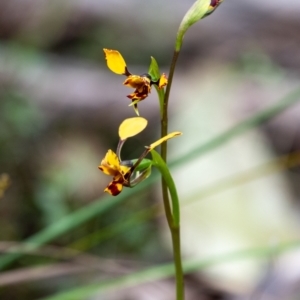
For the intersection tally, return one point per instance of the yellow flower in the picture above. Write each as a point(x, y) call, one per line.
point(111, 165)
point(141, 83)
point(122, 171)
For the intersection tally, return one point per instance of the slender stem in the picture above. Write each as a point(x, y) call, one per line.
point(174, 225)
point(178, 265)
point(167, 205)
point(164, 119)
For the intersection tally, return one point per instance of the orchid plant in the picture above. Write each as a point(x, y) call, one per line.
point(129, 173)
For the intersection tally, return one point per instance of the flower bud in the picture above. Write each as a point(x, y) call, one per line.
point(199, 10)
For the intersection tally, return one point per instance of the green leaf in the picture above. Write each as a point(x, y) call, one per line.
point(160, 164)
point(144, 164)
point(154, 70)
point(155, 75)
point(161, 96)
point(238, 129)
point(64, 225)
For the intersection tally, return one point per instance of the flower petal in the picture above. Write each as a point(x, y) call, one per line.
point(110, 165)
point(114, 188)
point(124, 170)
point(163, 81)
point(137, 96)
point(115, 61)
point(163, 139)
point(131, 127)
point(136, 81)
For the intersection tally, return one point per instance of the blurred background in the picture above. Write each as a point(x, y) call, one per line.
point(60, 109)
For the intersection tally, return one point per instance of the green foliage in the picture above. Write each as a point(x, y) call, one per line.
point(154, 70)
point(167, 177)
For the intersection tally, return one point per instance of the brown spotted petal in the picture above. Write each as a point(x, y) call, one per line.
point(136, 81)
point(139, 95)
point(141, 84)
point(115, 187)
point(122, 179)
point(110, 165)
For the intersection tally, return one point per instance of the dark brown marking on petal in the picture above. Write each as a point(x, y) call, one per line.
point(113, 189)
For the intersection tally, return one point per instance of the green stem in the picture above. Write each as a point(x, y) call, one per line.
point(174, 225)
point(166, 200)
point(178, 264)
point(164, 119)
point(164, 131)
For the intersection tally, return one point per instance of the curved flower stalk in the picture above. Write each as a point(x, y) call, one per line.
point(129, 173)
point(141, 83)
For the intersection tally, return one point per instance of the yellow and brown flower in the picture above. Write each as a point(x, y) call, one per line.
point(111, 165)
point(141, 83)
point(124, 172)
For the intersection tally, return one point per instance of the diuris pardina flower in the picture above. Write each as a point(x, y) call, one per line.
point(141, 83)
point(111, 165)
point(129, 173)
